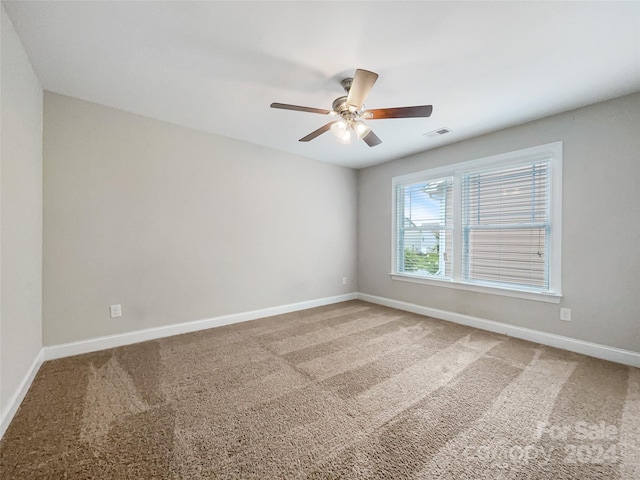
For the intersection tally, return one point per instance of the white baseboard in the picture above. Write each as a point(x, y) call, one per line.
point(16, 399)
point(604, 352)
point(101, 343)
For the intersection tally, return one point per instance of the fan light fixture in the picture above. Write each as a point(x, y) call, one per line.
point(342, 131)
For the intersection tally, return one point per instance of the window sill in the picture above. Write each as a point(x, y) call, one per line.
point(505, 292)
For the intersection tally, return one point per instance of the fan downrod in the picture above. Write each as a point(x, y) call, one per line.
point(346, 84)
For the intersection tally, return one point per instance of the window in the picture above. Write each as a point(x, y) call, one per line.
point(492, 224)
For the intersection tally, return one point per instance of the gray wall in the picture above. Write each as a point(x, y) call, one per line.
point(20, 215)
point(601, 226)
point(178, 225)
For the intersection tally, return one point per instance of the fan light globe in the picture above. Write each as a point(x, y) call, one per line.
point(362, 130)
point(345, 137)
point(339, 128)
point(341, 131)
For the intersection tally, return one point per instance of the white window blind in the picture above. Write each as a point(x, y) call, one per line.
point(506, 225)
point(425, 222)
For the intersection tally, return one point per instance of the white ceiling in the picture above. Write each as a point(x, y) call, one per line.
point(217, 66)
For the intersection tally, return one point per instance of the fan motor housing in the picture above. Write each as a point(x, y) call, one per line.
point(340, 105)
point(341, 108)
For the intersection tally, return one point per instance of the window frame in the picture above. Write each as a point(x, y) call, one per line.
point(551, 152)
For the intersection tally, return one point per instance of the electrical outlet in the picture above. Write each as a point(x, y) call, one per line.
point(115, 310)
point(344, 280)
point(565, 314)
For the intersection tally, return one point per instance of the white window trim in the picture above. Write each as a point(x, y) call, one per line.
point(550, 150)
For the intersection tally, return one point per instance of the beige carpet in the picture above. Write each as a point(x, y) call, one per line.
point(352, 390)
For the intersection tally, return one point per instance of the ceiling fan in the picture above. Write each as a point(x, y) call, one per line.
point(351, 112)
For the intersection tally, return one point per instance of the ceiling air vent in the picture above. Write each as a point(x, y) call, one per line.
point(437, 133)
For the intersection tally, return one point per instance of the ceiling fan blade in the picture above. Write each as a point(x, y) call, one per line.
point(399, 112)
point(362, 84)
point(372, 139)
point(317, 133)
point(286, 106)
